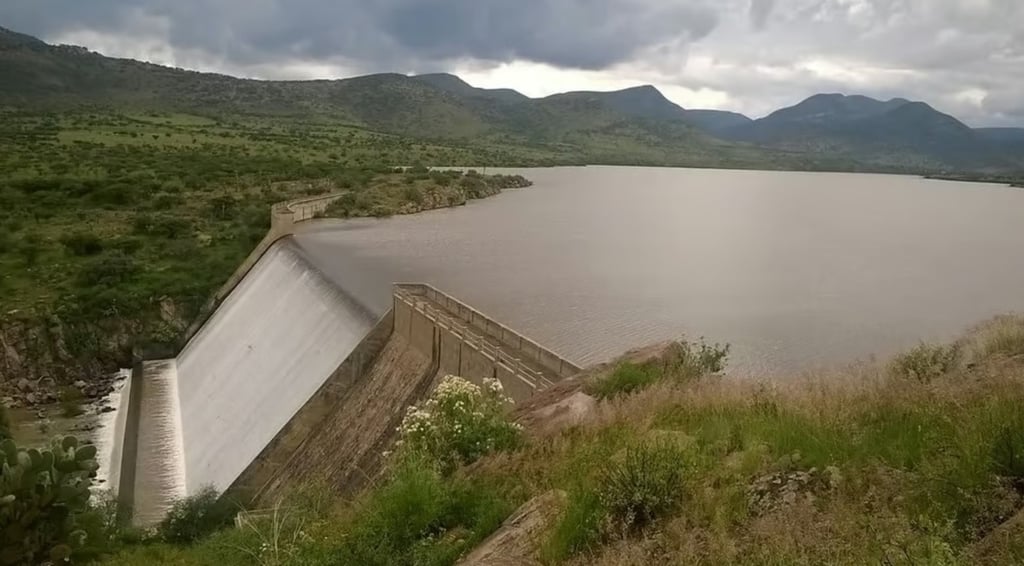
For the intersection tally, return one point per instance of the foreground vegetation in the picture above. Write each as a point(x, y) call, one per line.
point(115, 228)
point(920, 461)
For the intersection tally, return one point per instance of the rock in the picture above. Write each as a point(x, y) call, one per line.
point(25, 385)
point(47, 383)
point(81, 384)
point(30, 398)
point(41, 414)
point(568, 412)
point(517, 540)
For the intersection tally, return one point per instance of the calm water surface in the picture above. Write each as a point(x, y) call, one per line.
point(795, 270)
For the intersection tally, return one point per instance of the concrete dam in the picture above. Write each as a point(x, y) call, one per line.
point(291, 380)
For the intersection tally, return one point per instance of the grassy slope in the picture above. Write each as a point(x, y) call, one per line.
point(881, 467)
point(116, 227)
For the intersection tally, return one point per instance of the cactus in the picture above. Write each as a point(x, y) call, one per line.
point(41, 491)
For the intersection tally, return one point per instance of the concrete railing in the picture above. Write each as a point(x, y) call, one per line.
point(283, 218)
point(445, 321)
point(487, 326)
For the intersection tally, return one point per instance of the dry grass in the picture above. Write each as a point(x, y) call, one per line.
point(917, 461)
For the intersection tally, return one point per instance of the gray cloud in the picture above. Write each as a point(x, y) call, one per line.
point(965, 57)
point(759, 12)
point(587, 34)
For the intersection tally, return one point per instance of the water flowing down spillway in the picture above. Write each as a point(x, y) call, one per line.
point(266, 350)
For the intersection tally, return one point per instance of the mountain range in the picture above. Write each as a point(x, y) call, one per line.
point(636, 125)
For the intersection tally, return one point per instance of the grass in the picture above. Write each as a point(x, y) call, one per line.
point(115, 228)
point(858, 466)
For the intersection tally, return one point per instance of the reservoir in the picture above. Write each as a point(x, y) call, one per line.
point(795, 270)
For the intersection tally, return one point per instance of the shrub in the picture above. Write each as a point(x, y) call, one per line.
point(925, 362)
point(643, 486)
point(625, 379)
point(685, 360)
point(577, 530)
point(1005, 338)
point(1008, 451)
point(42, 493)
point(82, 243)
point(406, 520)
point(681, 361)
point(197, 516)
point(413, 195)
point(459, 423)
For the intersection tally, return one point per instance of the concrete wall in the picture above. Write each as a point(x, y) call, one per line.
point(283, 218)
point(485, 325)
point(461, 353)
point(279, 452)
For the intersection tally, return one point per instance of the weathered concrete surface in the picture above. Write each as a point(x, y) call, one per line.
point(326, 403)
point(497, 333)
point(436, 325)
point(517, 541)
point(345, 449)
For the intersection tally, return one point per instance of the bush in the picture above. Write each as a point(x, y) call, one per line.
point(459, 423)
point(925, 362)
point(1005, 338)
point(407, 519)
point(625, 379)
point(1008, 451)
point(82, 243)
point(111, 270)
point(644, 486)
point(197, 516)
point(42, 494)
point(682, 361)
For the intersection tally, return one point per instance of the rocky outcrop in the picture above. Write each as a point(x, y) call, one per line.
point(518, 539)
point(40, 353)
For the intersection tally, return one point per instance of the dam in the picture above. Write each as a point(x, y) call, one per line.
point(290, 380)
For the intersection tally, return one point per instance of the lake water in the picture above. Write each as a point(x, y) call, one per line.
point(795, 270)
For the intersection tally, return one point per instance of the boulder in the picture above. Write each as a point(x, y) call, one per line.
point(518, 539)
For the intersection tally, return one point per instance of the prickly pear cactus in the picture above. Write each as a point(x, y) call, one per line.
point(41, 491)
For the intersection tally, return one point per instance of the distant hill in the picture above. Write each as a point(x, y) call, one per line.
point(893, 133)
point(716, 122)
point(457, 86)
point(631, 126)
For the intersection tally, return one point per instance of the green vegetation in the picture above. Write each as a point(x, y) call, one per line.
point(681, 362)
point(864, 467)
point(43, 494)
point(116, 227)
point(418, 189)
point(196, 517)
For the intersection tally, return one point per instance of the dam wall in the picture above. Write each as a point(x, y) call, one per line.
point(265, 351)
point(470, 344)
point(291, 382)
point(328, 402)
point(283, 218)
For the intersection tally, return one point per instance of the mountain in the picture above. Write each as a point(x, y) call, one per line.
point(453, 84)
point(636, 125)
point(895, 133)
point(641, 102)
point(716, 122)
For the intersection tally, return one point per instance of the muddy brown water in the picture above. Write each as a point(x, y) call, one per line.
point(795, 270)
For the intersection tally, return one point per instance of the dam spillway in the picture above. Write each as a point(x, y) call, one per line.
point(262, 354)
point(291, 380)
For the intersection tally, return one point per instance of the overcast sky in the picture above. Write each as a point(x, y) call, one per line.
point(965, 57)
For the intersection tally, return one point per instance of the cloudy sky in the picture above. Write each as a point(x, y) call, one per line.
point(965, 57)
